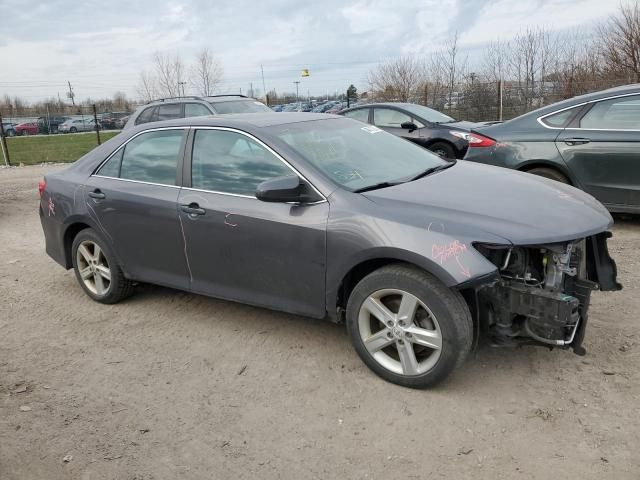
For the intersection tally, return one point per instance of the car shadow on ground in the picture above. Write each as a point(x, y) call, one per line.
point(331, 339)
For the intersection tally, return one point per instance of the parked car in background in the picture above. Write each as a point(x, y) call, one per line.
point(276, 108)
point(325, 217)
point(591, 142)
point(422, 125)
point(184, 107)
point(110, 120)
point(50, 124)
point(73, 125)
point(323, 107)
point(336, 108)
point(9, 129)
point(27, 128)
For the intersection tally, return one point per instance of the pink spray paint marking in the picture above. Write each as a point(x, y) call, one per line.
point(443, 253)
point(227, 222)
point(52, 208)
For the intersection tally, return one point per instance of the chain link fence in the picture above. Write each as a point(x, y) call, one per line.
point(61, 133)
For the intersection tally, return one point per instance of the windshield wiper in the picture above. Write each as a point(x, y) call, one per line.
point(431, 170)
point(376, 186)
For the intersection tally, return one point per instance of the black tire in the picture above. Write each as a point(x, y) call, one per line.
point(11, 133)
point(447, 305)
point(73, 129)
point(551, 173)
point(443, 150)
point(25, 133)
point(119, 287)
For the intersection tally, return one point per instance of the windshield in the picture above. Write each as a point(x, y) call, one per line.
point(240, 106)
point(354, 155)
point(428, 114)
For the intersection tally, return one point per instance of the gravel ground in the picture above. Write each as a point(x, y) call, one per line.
point(169, 385)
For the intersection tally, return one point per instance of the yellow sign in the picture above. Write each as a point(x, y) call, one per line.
point(305, 72)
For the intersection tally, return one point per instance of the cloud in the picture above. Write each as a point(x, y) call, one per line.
point(102, 47)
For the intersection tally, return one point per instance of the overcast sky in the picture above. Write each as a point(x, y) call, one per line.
point(102, 46)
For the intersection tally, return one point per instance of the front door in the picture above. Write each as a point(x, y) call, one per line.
point(391, 120)
point(603, 151)
point(240, 248)
point(133, 199)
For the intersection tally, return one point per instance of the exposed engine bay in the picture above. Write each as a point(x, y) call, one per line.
point(542, 292)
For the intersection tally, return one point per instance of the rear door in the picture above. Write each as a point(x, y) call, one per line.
point(132, 197)
point(602, 150)
point(243, 249)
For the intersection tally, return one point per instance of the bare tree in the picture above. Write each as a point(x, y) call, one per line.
point(452, 66)
point(169, 74)
point(397, 79)
point(619, 43)
point(147, 87)
point(495, 66)
point(207, 73)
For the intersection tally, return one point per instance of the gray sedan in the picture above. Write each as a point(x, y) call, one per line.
point(325, 217)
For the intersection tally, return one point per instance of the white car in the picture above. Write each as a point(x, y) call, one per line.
point(74, 125)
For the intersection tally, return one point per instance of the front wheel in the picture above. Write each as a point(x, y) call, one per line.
point(408, 327)
point(96, 269)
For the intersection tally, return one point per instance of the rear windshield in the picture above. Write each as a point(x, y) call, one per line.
point(240, 106)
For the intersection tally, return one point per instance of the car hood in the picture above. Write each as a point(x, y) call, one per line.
point(518, 207)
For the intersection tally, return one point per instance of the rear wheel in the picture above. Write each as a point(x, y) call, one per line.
point(408, 327)
point(73, 129)
point(551, 173)
point(443, 150)
point(96, 269)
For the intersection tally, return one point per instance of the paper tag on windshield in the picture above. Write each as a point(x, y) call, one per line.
point(371, 129)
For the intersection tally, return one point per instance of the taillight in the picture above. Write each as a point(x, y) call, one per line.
point(42, 184)
point(477, 140)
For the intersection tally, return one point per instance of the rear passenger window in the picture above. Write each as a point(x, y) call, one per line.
point(195, 110)
point(560, 119)
point(112, 167)
point(229, 162)
point(170, 111)
point(147, 115)
point(615, 114)
point(151, 157)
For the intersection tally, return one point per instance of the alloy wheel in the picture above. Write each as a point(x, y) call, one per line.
point(93, 267)
point(400, 332)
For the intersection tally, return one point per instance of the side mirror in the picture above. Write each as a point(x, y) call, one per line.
point(409, 126)
point(290, 188)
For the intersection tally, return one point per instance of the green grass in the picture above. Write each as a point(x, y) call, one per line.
point(52, 148)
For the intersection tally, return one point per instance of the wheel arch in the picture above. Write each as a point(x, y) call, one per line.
point(373, 260)
point(531, 164)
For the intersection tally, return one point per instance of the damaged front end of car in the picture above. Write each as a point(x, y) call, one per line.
point(541, 293)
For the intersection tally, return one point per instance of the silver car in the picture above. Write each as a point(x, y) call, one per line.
point(74, 125)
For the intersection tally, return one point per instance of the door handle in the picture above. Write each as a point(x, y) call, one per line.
point(193, 209)
point(576, 141)
point(97, 194)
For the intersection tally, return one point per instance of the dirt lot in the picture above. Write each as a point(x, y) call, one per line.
point(170, 385)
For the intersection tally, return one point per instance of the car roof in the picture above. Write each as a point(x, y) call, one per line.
point(239, 120)
point(587, 97)
point(208, 99)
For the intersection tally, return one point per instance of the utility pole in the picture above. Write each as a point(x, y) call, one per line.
point(251, 89)
point(71, 95)
point(297, 82)
point(264, 88)
point(181, 84)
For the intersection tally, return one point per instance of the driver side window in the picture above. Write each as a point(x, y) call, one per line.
point(386, 117)
point(229, 162)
